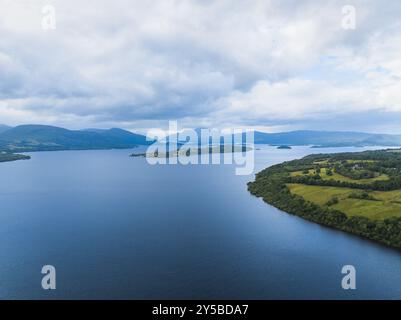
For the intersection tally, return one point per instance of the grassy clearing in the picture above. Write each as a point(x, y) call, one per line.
point(388, 206)
point(361, 161)
point(321, 162)
point(339, 177)
point(319, 194)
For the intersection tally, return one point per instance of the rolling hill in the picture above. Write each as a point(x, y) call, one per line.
point(327, 138)
point(321, 138)
point(4, 128)
point(49, 138)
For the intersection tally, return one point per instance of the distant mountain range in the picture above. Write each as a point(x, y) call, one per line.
point(322, 138)
point(327, 138)
point(48, 138)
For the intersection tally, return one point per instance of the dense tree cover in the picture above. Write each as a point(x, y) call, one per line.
point(270, 184)
point(353, 171)
point(333, 200)
point(362, 195)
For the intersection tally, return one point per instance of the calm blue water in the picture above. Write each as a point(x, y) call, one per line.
point(116, 227)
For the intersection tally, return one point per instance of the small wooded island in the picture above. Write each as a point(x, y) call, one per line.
point(284, 147)
point(358, 192)
point(5, 156)
point(183, 151)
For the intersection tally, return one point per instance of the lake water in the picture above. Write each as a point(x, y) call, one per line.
point(117, 227)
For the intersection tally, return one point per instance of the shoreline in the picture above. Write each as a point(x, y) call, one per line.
point(332, 227)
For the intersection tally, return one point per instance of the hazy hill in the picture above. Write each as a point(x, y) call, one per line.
point(327, 138)
point(322, 138)
point(40, 138)
point(4, 128)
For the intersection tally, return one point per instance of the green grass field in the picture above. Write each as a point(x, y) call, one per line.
point(320, 162)
point(388, 206)
point(340, 177)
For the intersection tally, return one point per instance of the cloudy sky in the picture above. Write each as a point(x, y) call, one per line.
point(272, 65)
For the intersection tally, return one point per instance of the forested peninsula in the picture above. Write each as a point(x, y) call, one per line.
point(359, 193)
point(4, 157)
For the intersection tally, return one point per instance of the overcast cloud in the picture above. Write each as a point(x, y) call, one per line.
point(275, 65)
